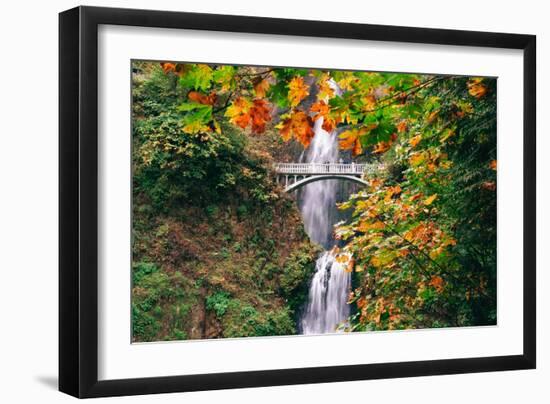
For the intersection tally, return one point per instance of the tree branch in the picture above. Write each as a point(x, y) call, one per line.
point(225, 105)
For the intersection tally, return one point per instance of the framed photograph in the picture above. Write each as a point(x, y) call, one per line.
point(251, 201)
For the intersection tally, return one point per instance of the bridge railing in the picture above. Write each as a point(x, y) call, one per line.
point(322, 168)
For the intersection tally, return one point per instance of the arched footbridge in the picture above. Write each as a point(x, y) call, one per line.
point(296, 175)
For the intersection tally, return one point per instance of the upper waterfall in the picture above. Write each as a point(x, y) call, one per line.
point(327, 306)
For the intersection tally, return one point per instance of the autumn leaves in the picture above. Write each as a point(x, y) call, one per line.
point(372, 108)
point(249, 98)
point(245, 113)
point(297, 124)
point(297, 91)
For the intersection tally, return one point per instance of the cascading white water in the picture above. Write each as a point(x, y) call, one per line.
point(319, 198)
point(327, 307)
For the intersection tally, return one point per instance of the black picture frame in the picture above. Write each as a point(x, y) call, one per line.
point(78, 201)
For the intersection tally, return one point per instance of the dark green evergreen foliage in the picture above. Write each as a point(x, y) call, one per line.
point(469, 200)
point(437, 206)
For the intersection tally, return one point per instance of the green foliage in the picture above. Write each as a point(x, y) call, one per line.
point(244, 320)
point(198, 77)
point(170, 165)
point(423, 237)
point(153, 286)
point(142, 269)
point(144, 326)
point(218, 302)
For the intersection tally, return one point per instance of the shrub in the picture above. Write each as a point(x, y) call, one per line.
point(218, 303)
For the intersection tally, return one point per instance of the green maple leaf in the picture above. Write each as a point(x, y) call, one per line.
point(198, 78)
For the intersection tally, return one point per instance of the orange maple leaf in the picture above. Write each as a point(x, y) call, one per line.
point(476, 88)
point(437, 282)
point(402, 126)
point(260, 114)
point(361, 302)
point(242, 120)
point(350, 140)
point(381, 147)
point(415, 140)
point(243, 112)
point(260, 87)
point(323, 111)
point(238, 112)
point(168, 67)
point(202, 98)
point(297, 125)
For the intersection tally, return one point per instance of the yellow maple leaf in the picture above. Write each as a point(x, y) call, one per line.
point(417, 159)
point(365, 226)
point(237, 110)
point(430, 200)
point(342, 258)
point(375, 261)
point(195, 127)
point(369, 103)
point(297, 90)
point(345, 83)
point(325, 90)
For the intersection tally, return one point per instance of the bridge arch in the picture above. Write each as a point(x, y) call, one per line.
point(307, 180)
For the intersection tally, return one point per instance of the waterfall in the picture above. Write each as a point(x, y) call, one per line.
point(327, 306)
